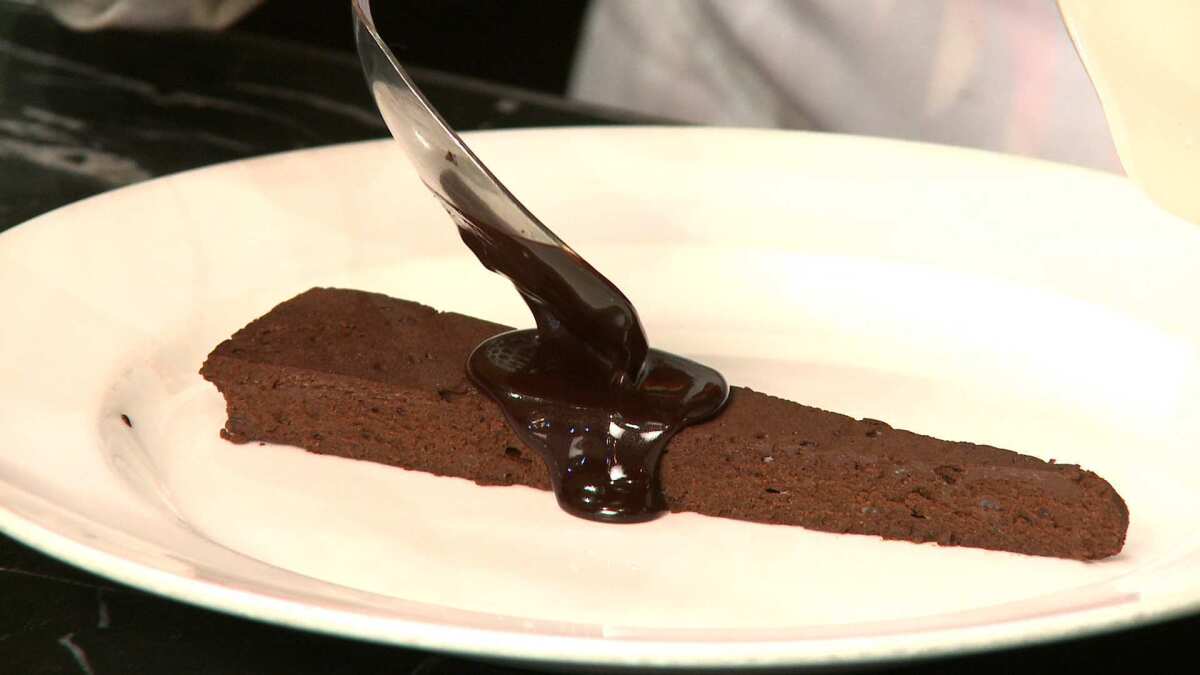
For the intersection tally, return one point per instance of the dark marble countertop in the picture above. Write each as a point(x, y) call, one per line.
point(81, 113)
point(85, 113)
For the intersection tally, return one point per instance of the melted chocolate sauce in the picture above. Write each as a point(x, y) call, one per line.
point(583, 389)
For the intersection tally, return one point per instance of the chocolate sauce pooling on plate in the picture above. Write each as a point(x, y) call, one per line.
point(584, 389)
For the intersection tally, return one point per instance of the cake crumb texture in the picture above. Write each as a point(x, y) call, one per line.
point(365, 376)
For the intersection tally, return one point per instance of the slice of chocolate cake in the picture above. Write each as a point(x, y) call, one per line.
point(365, 376)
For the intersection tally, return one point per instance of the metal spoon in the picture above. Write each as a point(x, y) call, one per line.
point(565, 293)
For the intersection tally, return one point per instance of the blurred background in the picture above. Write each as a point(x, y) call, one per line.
point(995, 74)
point(525, 43)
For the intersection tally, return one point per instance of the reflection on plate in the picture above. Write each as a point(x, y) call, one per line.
point(956, 293)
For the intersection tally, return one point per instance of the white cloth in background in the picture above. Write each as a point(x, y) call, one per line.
point(994, 74)
point(96, 14)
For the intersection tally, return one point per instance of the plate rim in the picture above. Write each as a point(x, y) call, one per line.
point(537, 647)
point(531, 647)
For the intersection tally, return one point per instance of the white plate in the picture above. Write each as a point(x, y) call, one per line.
point(962, 294)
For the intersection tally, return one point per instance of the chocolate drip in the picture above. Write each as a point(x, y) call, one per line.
point(583, 388)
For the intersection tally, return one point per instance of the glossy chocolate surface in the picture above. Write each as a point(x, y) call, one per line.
point(584, 388)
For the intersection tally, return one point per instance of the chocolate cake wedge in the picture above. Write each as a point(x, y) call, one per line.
point(366, 376)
